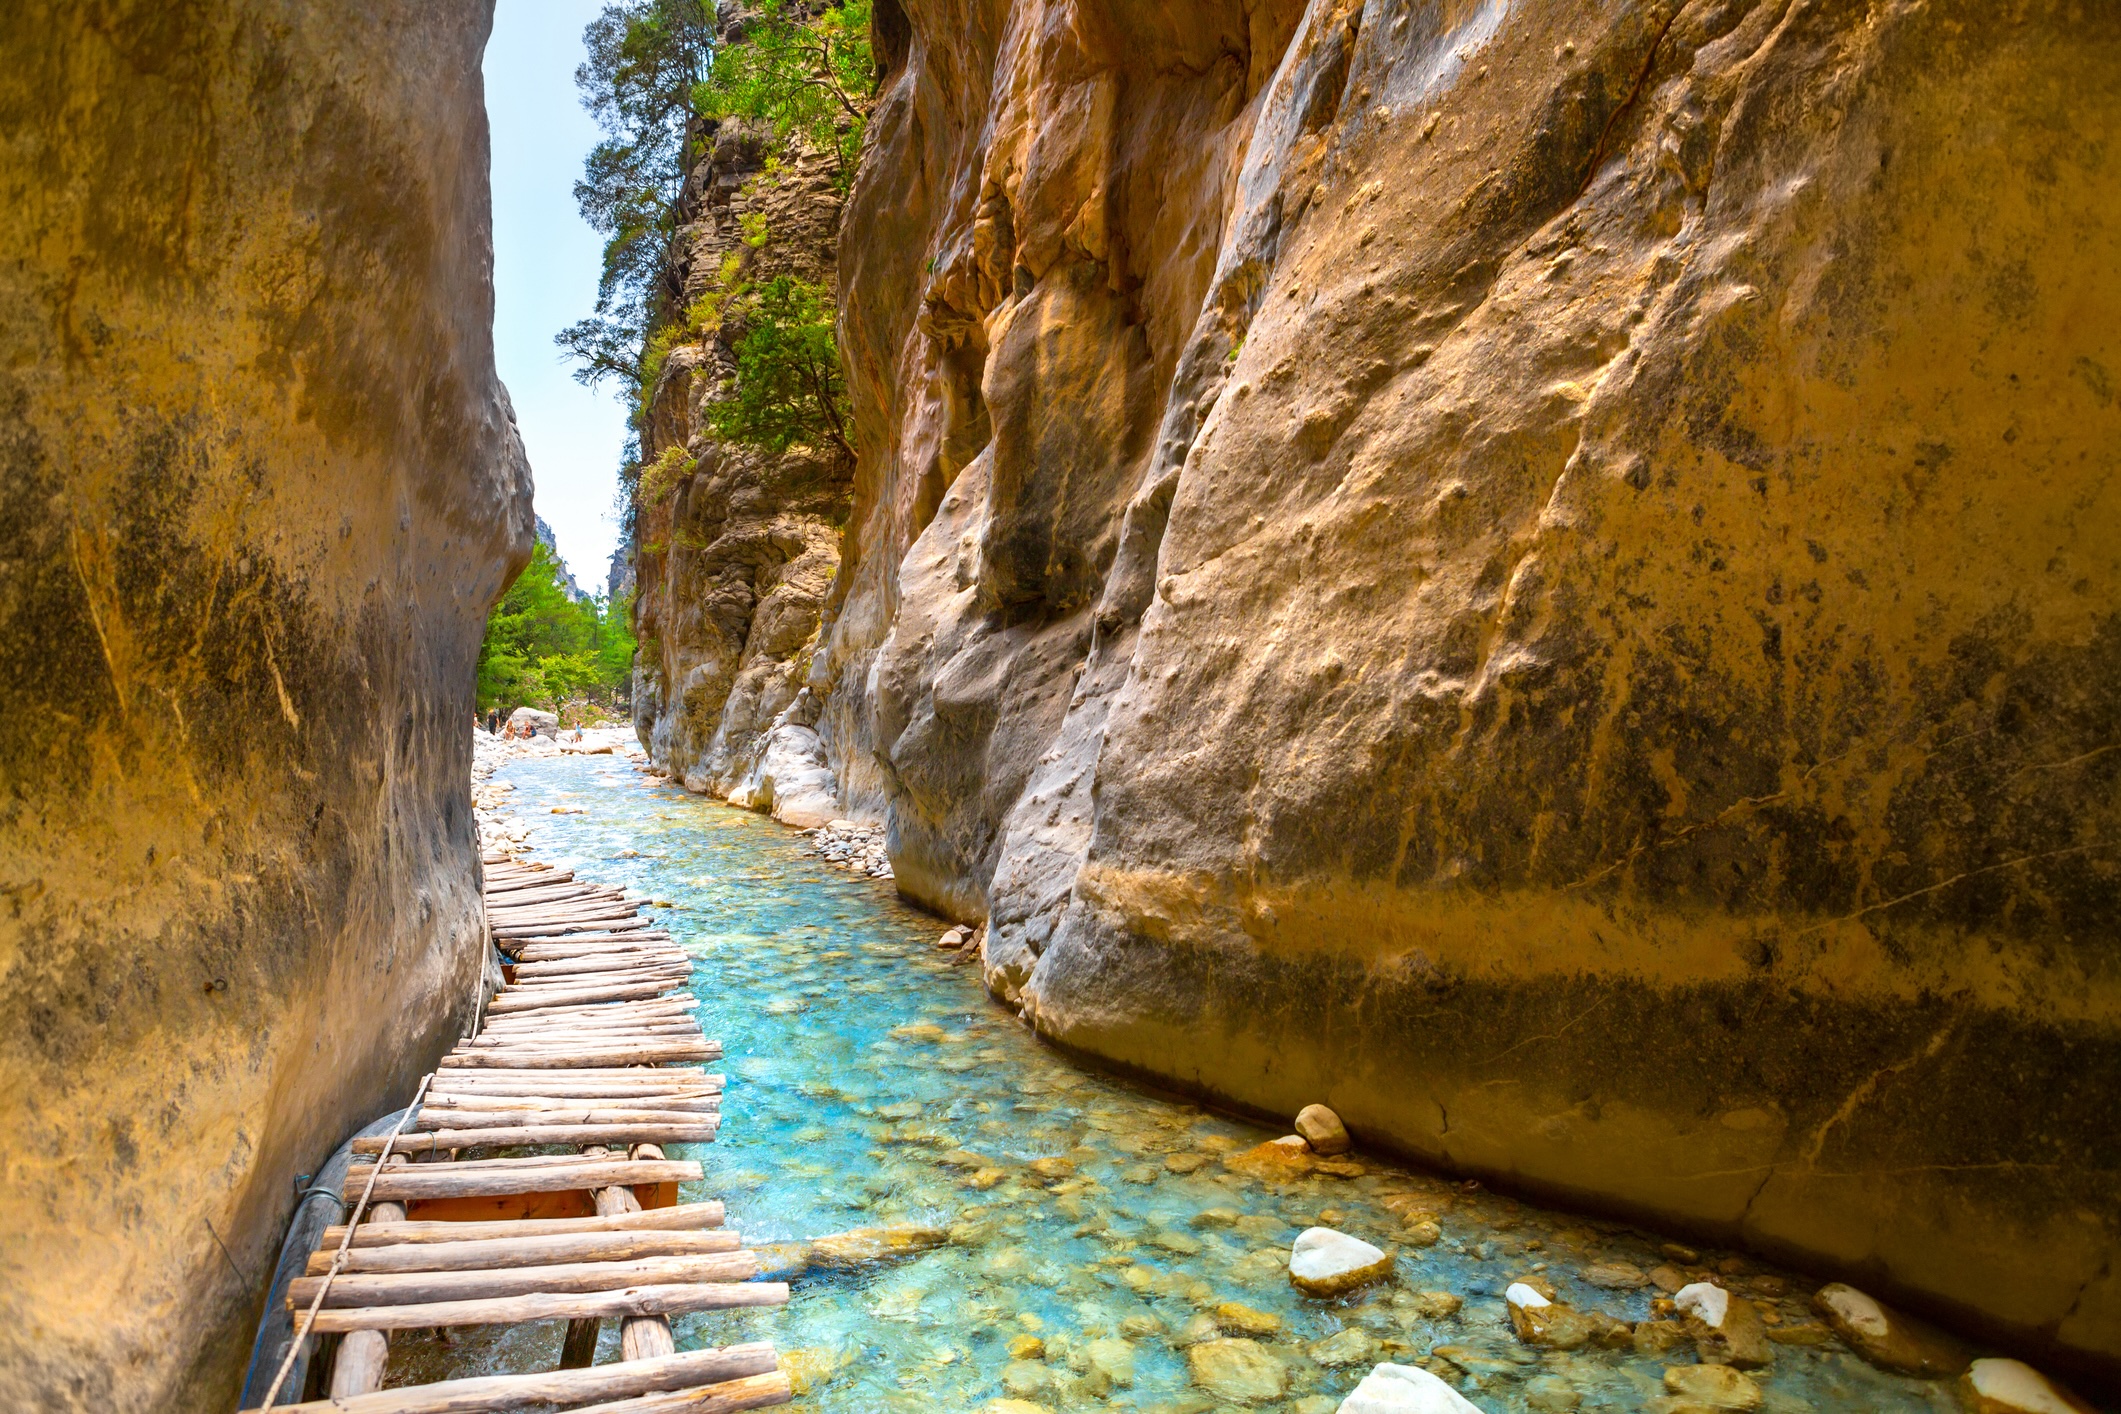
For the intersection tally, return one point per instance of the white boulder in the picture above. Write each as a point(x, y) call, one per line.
point(1326, 1263)
point(1405, 1389)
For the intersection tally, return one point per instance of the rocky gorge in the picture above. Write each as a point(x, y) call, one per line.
point(1541, 573)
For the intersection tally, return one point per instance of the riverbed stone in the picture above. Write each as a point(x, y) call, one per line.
point(1994, 1386)
point(1351, 1345)
point(1727, 1328)
point(1615, 1276)
point(1423, 1232)
point(1322, 1130)
point(1405, 1389)
point(1026, 1347)
point(1712, 1387)
point(1024, 1378)
point(1887, 1338)
point(1539, 1321)
point(1111, 1359)
point(1236, 1316)
point(1437, 1305)
point(1550, 1394)
point(1324, 1262)
point(1238, 1369)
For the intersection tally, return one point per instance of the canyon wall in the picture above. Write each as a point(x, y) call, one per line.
point(1543, 573)
point(737, 545)
point(258, 485)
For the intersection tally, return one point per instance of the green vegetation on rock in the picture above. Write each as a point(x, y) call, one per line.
point(808, 77)
point(789, 387)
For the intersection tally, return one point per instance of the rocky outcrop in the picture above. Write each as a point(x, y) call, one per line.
point(737, 546)
point(258, 486)
point(1542, 574)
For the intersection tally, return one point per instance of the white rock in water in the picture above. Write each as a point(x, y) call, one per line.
point(2012, 1387)
point(1704, 1300)
point(1521, 1295)
point(1326, 1263)
point(1404, 1389)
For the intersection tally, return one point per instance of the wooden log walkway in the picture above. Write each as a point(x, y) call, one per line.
point(592, 1044)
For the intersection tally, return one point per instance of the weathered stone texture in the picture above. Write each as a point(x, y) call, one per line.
point(737, 556)
point(258, 486)
point(1545, 575)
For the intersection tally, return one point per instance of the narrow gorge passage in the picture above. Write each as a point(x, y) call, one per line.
point(1005, 1225)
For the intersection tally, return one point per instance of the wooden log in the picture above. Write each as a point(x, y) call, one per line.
point(571, 1033)
point(686, 1217)
point(560, 931)
point(641, 1074)
point(569, 892)
point(702, 1130)
point(526, 879)
point(580, 944)
point(492, 1394)
point(559, 1086)
point(678, 1007)
point(565, 1056)
point(500, 1179)
point(515, 919)
point(582, 970)
point(410, 1288)
point(752, 1392)
point(567, 949)
point(571, 1055)
point(575, 981)
point(494, 1253)
point(455, 1109)
point(363, 1357)
point(555, 1306)
point(518, 1119)
point(596, 1031)
point(514, 1002)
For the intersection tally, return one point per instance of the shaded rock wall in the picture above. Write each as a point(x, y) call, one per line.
point(738, 548)
point(1544, 574)
point(258, 486)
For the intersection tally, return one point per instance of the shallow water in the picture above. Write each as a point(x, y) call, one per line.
point(872, 1082)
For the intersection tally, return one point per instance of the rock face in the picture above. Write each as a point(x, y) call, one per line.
point(737, 547)
point(1386, 526)
point(258, 486)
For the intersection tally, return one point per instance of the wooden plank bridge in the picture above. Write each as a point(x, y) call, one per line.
point(591, 1044)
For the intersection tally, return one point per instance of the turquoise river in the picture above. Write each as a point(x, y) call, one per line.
point(1098, 1248)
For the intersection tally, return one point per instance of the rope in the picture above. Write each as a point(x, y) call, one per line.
point(301, 1336)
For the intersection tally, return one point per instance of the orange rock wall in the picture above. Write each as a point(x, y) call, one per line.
point(258, 487)
point(1544, 574)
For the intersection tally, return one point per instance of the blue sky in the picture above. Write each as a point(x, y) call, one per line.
point(545, 273)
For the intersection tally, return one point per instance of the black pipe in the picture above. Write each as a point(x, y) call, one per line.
point(317, 1208)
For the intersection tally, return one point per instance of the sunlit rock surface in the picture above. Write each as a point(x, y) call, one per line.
point(258, 485)
point(737, 546)
point(1543, 575)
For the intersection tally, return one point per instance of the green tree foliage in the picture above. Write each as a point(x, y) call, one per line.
point(789, 388)
point(806, 75)
point(543, 649)
point(645, 60)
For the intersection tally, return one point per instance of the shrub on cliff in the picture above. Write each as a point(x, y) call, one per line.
point(808, 76)
point(789, 388)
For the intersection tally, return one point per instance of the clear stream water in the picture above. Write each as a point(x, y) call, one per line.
point(872, 1083)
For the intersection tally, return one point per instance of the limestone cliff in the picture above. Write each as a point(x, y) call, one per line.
point(737, 546)
point(1544, 574)
point(258, 486)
